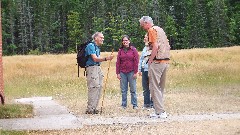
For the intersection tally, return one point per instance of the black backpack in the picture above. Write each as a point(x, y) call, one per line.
point(81, 58)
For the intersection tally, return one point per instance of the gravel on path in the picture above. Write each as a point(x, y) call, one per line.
point(49, 115)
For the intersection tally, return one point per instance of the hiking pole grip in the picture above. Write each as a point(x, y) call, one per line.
point(109, 64)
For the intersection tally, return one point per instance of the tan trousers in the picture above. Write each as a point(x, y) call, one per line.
point(157, 78)
point(94, 83)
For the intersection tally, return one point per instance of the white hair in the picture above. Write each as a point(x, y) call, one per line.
point(146, 19)
point(95, 35)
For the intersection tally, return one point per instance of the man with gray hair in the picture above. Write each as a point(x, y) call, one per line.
point(158, 64)
point(94, 72)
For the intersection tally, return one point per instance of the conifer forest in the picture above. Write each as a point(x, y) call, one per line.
point(57, 26)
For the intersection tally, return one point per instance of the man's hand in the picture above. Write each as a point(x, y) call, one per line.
point(135, 76)
point(118, 76)
point(140, 73)
point(150, 62)
point(110, 57)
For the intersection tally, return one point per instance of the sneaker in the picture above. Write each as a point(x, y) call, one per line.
point(135, 107)
point(124, 107)
point(146, 108)
point(162, 115)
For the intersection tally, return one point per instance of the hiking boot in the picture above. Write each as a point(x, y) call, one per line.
point(95, 111)
point(162, 115)
point(92, 112)
point(89, 112)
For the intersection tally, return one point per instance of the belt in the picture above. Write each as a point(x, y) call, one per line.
point(161, 61)
point(93, 65)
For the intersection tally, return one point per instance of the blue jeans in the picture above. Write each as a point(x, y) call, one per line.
point(125, 79)
point(146, 92)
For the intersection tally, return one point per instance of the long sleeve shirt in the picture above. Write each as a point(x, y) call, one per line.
point(127, 60)
point(143, 61)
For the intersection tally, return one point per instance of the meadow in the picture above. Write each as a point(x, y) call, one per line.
point(199, 81)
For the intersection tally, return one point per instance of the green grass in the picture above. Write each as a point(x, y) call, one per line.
point(8, 111)
point(5, 132)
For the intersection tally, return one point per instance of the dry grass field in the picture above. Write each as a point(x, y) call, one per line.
point(199, 81)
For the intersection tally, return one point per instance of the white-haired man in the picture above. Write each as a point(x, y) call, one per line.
point(94, 72)
point(158, 64)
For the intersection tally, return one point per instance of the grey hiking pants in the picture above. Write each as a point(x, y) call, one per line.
point(94, 84)
point(157, 78)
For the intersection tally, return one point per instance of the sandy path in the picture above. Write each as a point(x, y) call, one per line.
point(49, 115)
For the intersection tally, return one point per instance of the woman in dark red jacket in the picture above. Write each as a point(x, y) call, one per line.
point(126, 70)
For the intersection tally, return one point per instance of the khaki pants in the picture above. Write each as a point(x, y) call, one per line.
point(94, 83)
point(157, 77)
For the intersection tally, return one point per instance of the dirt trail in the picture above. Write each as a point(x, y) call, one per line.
point(49, 115)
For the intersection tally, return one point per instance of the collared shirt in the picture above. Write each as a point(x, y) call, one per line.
point(127, 61)
point(92, 48)
point(152, 35)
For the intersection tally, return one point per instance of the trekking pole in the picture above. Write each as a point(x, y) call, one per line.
point(106, 83)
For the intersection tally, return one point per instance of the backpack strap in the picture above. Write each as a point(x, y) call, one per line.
point(85, 69)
